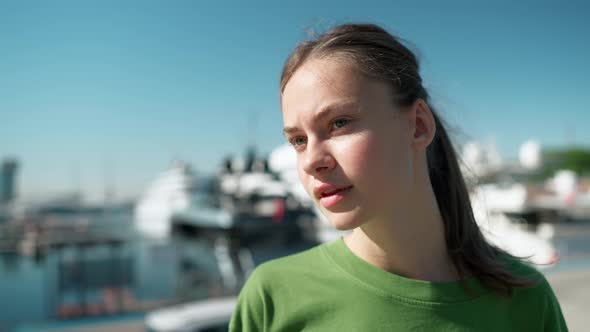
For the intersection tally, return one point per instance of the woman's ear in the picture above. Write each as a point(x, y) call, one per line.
point(423, 124)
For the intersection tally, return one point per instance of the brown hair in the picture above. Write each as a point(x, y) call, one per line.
point(378, 54)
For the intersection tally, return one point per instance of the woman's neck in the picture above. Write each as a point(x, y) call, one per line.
point(410, 243)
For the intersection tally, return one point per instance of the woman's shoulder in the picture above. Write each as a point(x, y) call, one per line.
point(539, 287)
point(280, 275)
point(309, 259)
point(539, 295)
point(519, 267)
point(273, 284)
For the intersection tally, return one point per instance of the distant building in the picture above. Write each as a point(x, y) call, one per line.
point(8, 172)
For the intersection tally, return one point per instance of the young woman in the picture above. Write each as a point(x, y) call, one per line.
point(376, 159)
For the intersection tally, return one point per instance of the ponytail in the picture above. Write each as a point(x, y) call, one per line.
point(467, 247)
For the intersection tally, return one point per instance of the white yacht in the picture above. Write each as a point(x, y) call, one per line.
point(246, 200)
point(535, 246)
point(169, 193)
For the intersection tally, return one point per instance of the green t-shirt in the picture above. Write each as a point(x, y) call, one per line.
point(328, 288)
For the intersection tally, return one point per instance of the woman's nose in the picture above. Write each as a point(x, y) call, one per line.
point(317, 159)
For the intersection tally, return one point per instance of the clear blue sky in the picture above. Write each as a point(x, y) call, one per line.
point(95, 90)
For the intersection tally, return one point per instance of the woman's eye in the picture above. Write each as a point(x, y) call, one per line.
point(297, 141)
point(339, 123)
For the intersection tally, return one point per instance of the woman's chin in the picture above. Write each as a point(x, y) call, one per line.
point(343, 221)
point(342, 224)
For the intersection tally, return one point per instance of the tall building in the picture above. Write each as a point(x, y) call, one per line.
point(8, 171)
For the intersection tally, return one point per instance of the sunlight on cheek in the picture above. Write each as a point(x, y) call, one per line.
point(303, 177)
point(362, 153)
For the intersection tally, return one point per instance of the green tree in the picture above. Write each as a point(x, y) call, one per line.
point(576, 159)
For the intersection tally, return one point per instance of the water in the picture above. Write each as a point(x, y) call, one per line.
point(35, 290)
point(136, 276)
point(572, 241)
point(22, 285)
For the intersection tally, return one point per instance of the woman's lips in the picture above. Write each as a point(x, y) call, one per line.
point(328, 200)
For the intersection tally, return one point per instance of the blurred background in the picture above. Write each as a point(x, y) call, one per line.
point(143, 173)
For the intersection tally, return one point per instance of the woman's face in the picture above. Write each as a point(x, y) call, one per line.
point(354, 147)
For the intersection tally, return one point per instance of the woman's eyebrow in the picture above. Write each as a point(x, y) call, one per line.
point(289, 130)
point(326, 111)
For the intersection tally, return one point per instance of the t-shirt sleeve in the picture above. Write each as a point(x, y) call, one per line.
point(554, 320)
point(249, 314)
